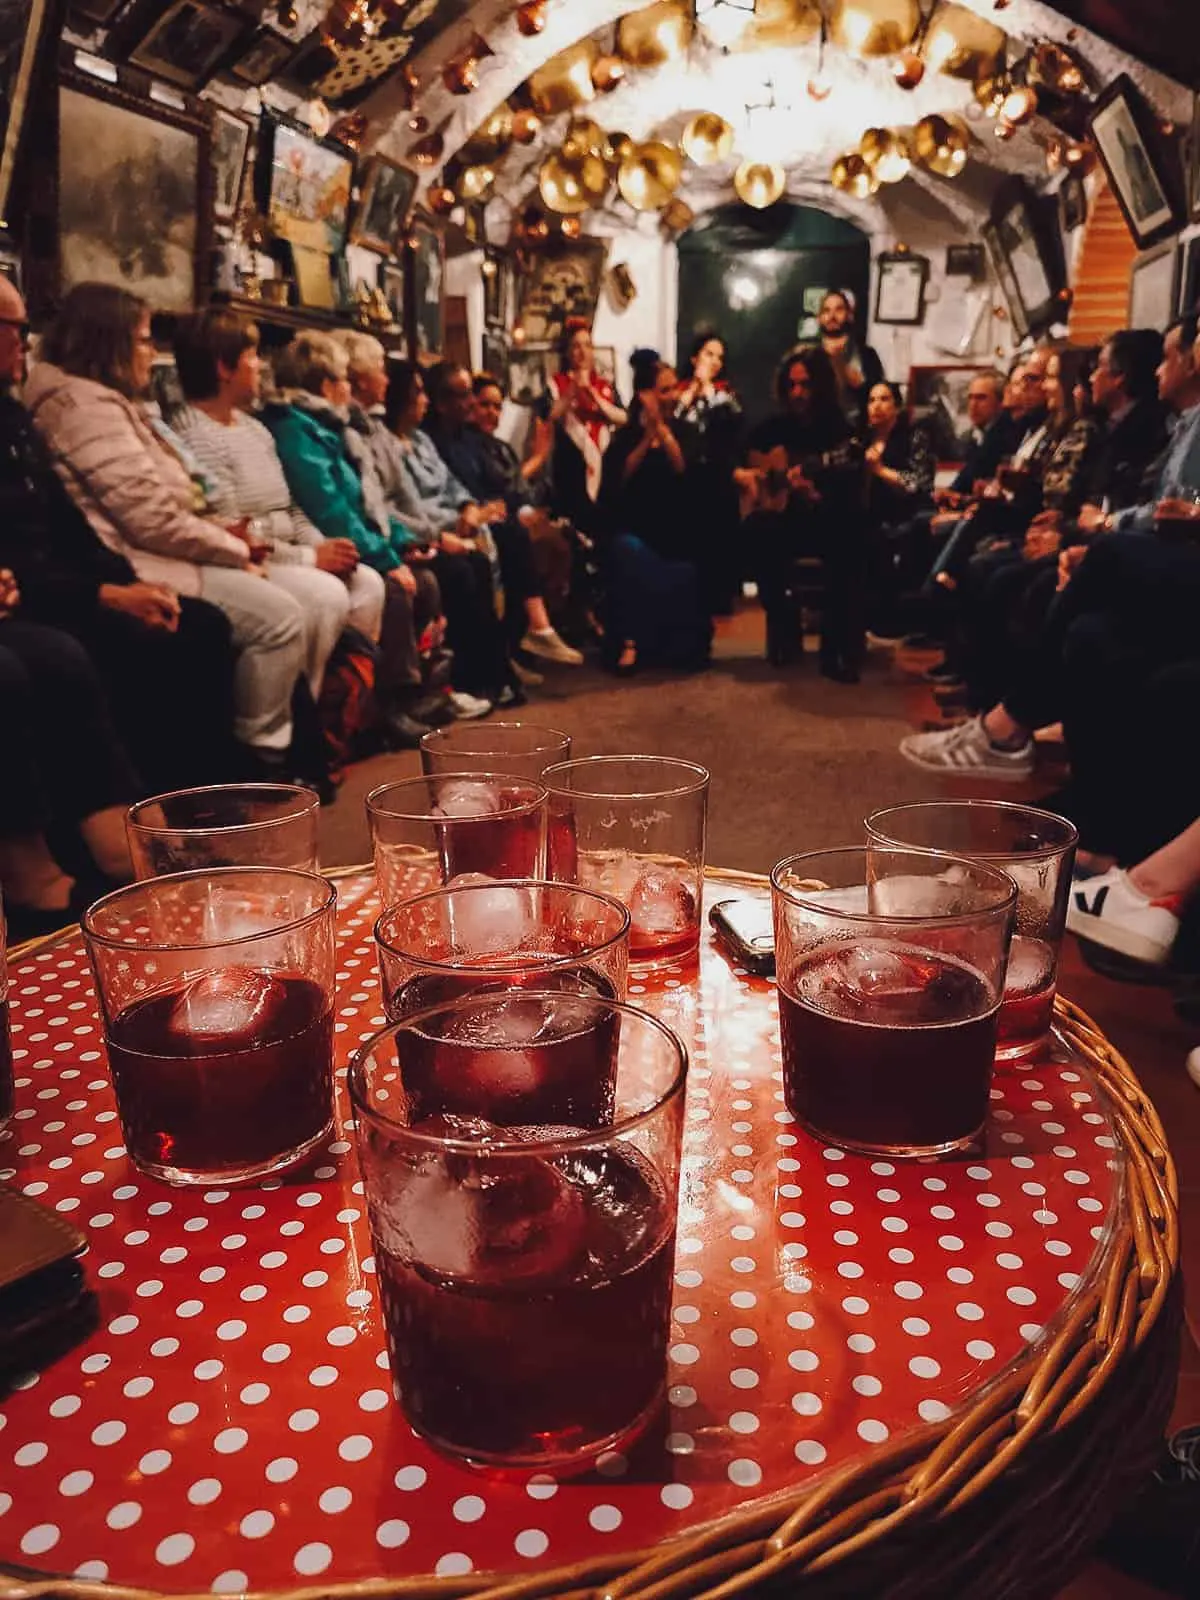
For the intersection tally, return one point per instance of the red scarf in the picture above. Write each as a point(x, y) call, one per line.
point(586, 426)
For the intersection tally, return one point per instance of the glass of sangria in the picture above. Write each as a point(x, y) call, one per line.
point(524, 1269)
point(634, 827)
point(428, 831)
point(552, 937)
point(890, 967)
point(1037, 850)
point(6, 1060)
point(224, 825)
point(518, 748)
point(216, 991)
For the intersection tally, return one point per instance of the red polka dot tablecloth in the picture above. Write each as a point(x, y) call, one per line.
point(230, 1424)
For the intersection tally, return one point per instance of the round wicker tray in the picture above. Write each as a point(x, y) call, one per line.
point(1004, 1497)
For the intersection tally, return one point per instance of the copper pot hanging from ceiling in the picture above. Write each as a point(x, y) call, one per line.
point(565, 81)
point(707, 139)
point(874, 27)
point(650, 175)
point(531, 18)
point(608, 74)
point(759, 184)
point(570, 186)
point(656, 34)
point(492, 138)
point(962, 44)
point(851, 175)
point(526, 125)
point(941, 144)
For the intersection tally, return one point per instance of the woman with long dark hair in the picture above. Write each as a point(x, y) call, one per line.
point(655, 615)
point(900, 470)
point(708, 421)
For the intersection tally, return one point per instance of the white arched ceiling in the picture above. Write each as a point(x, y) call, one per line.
point(805, 138)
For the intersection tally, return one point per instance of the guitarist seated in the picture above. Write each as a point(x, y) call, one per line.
point(802, 493)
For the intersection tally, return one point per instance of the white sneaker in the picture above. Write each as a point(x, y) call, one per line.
point(546, 643)
point(966, 751)
point(1108, 910)
point(469, 706)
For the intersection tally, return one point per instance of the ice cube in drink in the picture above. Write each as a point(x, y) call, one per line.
point(887, 1049)
point(541, 1061)
point(224, 1077)
point(1027, 1009)
point(487, 828)
point(664, 921)
point(526, 1302)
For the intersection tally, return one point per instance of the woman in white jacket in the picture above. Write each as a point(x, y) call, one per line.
point(138, 495)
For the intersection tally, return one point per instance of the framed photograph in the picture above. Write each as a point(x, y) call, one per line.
point(1128, 143)
point(391, 282)
point(305, 186)
point(1072, 202)
point(1154, 288)
point(1189, 276)
point(1028, 253)
point(230, 147)
point(426, 265)
point(966, 261)
point(559, 284)
point(1008, 284)
point(316, 283)
point(184, 42)
point(387, 191)
point(264, 57)
point(22, 25)
point(132, 193)
point(95, 12)
point(937, 398)
point(1192, 160)
point(900, 290)
point(529, 370)
point(495, 354)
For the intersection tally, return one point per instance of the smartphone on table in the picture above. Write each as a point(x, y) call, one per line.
point(744, 930)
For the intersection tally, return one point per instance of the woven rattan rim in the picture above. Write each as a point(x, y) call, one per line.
point(916, 1485)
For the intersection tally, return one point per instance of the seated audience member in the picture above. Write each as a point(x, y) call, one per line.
point(136, 491)
point(64, 766)
point(582, 409)
point(656, 612)
point(802, 487)
point(900, 471)
point(166, 663)
point(216, 356)
point(708, 424)
point(1132, 421)
point(331, 476)
point(856, 368)
point(513, 481)
point(989, 438)
point(1117, 636)
point(468, 455)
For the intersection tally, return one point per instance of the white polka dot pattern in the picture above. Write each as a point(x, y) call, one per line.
point(231, 1424)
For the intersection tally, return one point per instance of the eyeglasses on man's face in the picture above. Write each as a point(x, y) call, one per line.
point(19, 326)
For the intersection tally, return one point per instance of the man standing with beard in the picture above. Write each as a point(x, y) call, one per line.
point(856, 367)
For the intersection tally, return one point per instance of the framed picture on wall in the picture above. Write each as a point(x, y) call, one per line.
point(966, 261)
point(529, 369)
point(147, 236)
point(1153, 288)
point(900, 289)
point(383, 206)
point(1028, 252)
point(426, 266)
point(560, 284)
point(22, 37)
point(230, 147)
point(1189, 276)
point(184, 42)
point(263, 58)
point(391, 282)
point(305, 185)
point(1127, 140)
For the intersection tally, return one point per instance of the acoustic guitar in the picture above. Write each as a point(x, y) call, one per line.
point(772, 491)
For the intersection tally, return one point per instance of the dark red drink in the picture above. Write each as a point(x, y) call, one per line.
point(527, 1313)
point(229, 1073)
point(1027, 1009)
point(562, 848)
point(488, 829)
point(887, 1049)
point(6, 1064)
point(541, 1062)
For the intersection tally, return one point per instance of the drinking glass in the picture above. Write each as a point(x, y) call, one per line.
point(216, 993)
point(224, 825)
point(1037, 850)
point(524, 1271)
point(546, 936)
point(427, 831)
point(890, 969)
point(6, 1060)
point(518, 748)
point(634, 827)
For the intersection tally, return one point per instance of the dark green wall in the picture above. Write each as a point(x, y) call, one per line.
point(744, 274)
